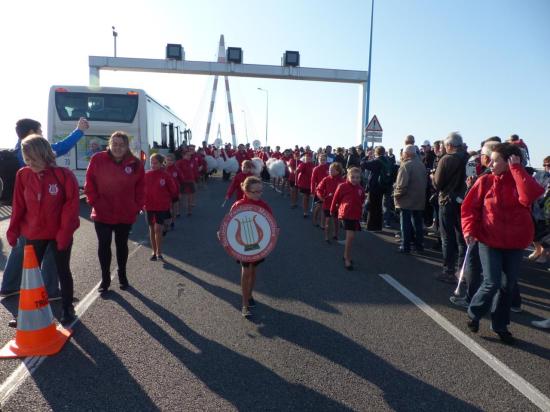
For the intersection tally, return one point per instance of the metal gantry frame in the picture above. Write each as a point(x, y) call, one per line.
point(98, 63)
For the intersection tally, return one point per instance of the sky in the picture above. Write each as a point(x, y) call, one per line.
point(478, 67)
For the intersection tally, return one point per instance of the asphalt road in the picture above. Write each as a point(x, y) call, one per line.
point(321, 338)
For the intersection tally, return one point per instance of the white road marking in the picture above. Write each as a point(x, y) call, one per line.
point(524, 387)
point(31, 364)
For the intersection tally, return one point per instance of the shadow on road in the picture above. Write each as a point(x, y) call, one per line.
point(401, 390)
point(244, 382)
point(95, 379)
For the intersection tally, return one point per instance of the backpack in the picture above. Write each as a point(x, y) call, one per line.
point(385, 178)
point(9, 165)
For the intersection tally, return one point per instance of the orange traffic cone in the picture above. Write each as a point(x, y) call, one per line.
point(37, 333)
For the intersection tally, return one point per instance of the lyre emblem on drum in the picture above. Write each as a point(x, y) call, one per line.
point(249, 233)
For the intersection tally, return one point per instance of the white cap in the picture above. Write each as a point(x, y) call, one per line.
point(426, 143)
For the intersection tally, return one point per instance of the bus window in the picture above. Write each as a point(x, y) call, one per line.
point(163, 135)
point(171, 137)
point(96, 106)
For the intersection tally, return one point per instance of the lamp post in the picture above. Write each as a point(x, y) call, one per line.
point(368, 77)
point(245, 126)
point(266, 111)
point(115, 34)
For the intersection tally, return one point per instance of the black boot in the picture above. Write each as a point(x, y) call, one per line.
point(68, 315)
point(123, 280)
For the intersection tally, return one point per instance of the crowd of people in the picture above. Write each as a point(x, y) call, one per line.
point(487, 201)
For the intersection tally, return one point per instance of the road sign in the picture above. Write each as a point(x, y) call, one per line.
point(374, 125)
point(248, 233)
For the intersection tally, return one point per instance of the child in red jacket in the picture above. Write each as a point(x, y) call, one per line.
point(175, 173)
point(325, 193)
point(160, 189)
point(235, 186)
point(348, 202)
point(45, 211)
point(293, 164)
point(189, 173)
point(252, 188)
point(318, 174)
point(303, 180)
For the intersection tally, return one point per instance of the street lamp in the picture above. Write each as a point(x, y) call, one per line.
point(266, 110)
point(245, 126)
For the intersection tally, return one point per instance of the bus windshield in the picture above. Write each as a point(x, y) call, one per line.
point(96, 106)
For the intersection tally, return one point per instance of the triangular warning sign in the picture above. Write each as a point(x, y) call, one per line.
point(374, 125)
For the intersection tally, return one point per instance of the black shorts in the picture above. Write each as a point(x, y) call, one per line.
point(351, 225)
point(157, 217)
point(291, 183)
point(327, 213)
point(187, 188)
point(247, 264)
point(305, 191)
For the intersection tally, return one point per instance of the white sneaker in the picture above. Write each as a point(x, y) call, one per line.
point(541, 259)
point(245, 312)
point(544, 324)
point(516, 309)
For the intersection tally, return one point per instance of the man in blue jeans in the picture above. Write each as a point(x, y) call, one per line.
point(410, 197)
point(11, 281)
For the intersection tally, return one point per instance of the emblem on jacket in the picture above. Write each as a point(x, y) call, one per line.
point(53, 189)
point(128, 170)
point(162, 182)
point(175, 174)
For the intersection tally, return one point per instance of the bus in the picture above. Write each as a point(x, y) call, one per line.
point(150, 126)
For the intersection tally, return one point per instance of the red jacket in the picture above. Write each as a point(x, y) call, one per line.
point(292, 164)
point(497, 209)
point(276, 155)
point(318, 174)
point(115, 190)
point(241, 157)
point(304, 171)
point(264, 156)
point(175, 172)
point(327, 188)
point(160, 189)
point(235, 185)
point(348, 201)
point(46, 206)
point(246, 201)
point(188, 170)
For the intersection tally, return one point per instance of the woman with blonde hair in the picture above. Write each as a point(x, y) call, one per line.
point(46, 211)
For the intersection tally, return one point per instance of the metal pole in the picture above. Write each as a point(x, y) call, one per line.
point(266, 114)
point(245, 126)
point(368, 73)
point(115, 34)
point(266, 111)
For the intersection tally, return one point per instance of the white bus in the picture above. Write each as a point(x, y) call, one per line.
point(151, 126)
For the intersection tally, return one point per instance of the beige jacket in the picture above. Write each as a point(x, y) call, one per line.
point(410, 186)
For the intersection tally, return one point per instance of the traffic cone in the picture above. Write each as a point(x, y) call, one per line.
point(37, 333)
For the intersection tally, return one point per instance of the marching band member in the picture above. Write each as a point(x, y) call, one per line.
point(319, 173)
point(252, 188)
point(325, 193)
point(348, 202)
point(45, 211)
point(176, 175)
point(303, 180)
point(235, 186)
point(189, 173)
point(160, 189)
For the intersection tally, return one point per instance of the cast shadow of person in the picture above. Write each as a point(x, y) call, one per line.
point(86, 375)
point(401, 391)
point(242, 381)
